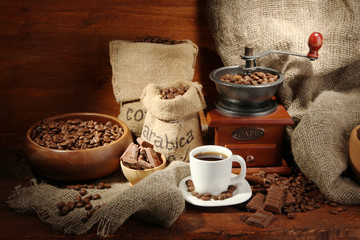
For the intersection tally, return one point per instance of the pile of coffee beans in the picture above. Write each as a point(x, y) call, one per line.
point(254, 78)
point(207, 196)
point(157, 39)
point(75, 134)
point(172, 92)
point(306, 193)
point(82, 201)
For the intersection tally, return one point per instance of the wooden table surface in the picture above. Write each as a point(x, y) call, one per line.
point(194, 223)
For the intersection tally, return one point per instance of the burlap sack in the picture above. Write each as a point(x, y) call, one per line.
point(323, 96)
point(133, 114)
point(173, 125)
point(136, 64)
point(156, 200)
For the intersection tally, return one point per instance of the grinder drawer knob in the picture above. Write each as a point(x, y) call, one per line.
point(315, 42)
point(250, 159)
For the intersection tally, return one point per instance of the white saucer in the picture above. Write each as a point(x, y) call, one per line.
point(242, 193)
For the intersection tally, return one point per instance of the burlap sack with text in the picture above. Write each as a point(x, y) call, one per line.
point(136, 64)
point(156, 200)
point(173, 125)
point(322, 97)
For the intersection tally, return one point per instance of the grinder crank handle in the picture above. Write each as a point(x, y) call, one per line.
point(315, 42)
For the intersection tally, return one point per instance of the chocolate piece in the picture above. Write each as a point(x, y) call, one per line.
point(143, 164)
point(128, 151)
point(274, 199)
point(260, 219)
point(289, 199)
point(135, 151)
point(152, 157)
point(256, 203)
point(144, 143)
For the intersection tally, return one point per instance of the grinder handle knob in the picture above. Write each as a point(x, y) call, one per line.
point(315, 42)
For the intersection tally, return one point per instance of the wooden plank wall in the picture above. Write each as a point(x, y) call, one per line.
point(54, 55)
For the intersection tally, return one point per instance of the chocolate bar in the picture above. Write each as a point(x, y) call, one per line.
point(256, 203)
point(144, 143)
point(152, 157)
point(289, 199)
point(260, 219)
point(274, 199)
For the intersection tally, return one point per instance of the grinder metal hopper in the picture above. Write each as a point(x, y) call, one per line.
point(254, 100)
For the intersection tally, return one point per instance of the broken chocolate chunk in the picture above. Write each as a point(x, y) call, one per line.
point(260, 219)
point(274, 199)
point(256, 203)
point(144, 143)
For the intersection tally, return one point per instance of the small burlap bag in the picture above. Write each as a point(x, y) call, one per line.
point(136, 64)
point(322, 97)
point(173, 125)
point(156, 200)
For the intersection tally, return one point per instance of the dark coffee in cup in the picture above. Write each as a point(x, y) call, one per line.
point(210, 156)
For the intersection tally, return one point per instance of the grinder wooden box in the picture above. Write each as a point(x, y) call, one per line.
point(259, 140)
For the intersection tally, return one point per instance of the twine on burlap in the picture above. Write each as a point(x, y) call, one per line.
point(156, 200)
point(322, 97)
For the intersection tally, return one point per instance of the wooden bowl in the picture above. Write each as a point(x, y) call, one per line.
point(354, 153)
point(134, 176)
point(77, 165)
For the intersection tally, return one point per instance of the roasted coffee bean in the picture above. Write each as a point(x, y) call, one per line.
point(341, 209)
point(86, 200)
point(107, 185)
point(334, 204)
point(91, 186)
point(83, 192)
point(78, 199)
point(205, 198)
point(79, 204)
point(254, 78)
point(100, 185)
point(191, 188)
point(88, 206)
point(75, 134)
point(157, 39)
point(172, 92)
point(96, 196)
point(291, 215)
point(335, 212)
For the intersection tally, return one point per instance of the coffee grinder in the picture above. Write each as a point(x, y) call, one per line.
point(247, 119)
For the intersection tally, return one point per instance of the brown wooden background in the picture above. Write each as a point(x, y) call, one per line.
point(54, 55)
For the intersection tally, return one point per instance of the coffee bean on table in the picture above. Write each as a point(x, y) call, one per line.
point(291, 215)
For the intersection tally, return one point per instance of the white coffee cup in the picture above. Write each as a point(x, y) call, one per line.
point(214, 176)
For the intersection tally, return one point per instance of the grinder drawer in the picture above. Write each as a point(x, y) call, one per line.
point(262, 154)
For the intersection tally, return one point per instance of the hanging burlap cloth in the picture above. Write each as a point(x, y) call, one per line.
point(322, 97)
point(156, 200)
